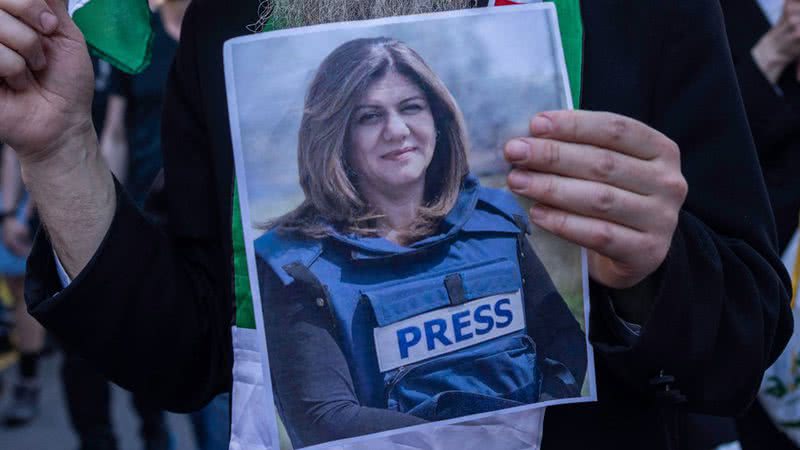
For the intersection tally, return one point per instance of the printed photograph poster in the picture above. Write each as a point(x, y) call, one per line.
point(397, 282)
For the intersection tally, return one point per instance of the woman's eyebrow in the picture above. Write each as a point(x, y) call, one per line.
point(366, 106)
point(377, 106)
point(414, 97)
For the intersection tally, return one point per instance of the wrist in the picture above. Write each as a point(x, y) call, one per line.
point(75, 151)
point(74, 195)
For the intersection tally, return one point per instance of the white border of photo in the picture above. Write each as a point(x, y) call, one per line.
point(509, 429)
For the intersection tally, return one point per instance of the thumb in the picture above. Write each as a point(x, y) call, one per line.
point(62, 10)
point(59, 7)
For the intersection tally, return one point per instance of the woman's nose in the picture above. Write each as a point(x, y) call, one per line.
point(396, 128)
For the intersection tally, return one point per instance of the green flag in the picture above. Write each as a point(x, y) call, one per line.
point(119, 31)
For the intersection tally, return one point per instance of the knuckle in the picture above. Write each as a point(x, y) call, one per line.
point(656, 250)
point(605, 166)
point(603, 236)
point(617, 129)
point(559, 223)
point(567, 124)
point(550, 188)
point(605, 201)
point(668, 148)
point(551, 153)
point(675, 186)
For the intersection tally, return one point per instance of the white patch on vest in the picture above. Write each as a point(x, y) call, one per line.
point(446, 330)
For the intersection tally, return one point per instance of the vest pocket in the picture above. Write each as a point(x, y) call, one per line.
point(495, 375)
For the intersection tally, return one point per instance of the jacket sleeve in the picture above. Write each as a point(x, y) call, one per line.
point(720, 307)
point(152, 309)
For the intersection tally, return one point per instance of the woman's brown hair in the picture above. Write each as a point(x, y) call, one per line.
point(331, 193)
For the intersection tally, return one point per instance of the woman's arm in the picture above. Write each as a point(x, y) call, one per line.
point(551, 325)
point(310, 375)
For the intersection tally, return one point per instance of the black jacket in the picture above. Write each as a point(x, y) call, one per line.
point(773, 112)
point(154, 306)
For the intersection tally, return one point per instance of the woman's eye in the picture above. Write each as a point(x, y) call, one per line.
point(368, 118)
point(413, 108)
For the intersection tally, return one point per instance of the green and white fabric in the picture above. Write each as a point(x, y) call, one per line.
point(249, 430)
point(119, 31)
point(780, 388)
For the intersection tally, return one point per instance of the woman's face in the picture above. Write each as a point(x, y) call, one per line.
point(392, 136)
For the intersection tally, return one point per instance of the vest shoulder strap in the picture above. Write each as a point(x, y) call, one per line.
point(497, 211)
point(284, 251)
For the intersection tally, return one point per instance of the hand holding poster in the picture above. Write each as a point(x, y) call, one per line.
point(398, 283)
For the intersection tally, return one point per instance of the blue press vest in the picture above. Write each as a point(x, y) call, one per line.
point(447, 290)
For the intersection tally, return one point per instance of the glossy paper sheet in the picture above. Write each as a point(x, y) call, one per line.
point(402, 297)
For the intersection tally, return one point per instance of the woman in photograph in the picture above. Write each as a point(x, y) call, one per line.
point(401, 291)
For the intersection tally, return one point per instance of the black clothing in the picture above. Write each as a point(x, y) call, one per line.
point(155, 303)
point(88, 394)
point(774, 115)
point(144, 93)
point(773, 112)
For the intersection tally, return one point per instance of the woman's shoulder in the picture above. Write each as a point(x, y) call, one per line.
point(502, 204)
point(279, 249)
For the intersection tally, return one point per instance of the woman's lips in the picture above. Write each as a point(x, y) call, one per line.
point(398, 154)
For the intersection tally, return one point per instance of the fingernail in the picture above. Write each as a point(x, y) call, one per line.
point(538, 213)
point(516, 150)
point(49, 21)
point(516, 180)
point(541, 125)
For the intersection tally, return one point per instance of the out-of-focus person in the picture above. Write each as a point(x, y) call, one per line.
point(766, 57)
point(764, 37)
point(28, 334)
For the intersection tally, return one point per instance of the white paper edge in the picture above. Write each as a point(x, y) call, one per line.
point(233, 115)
